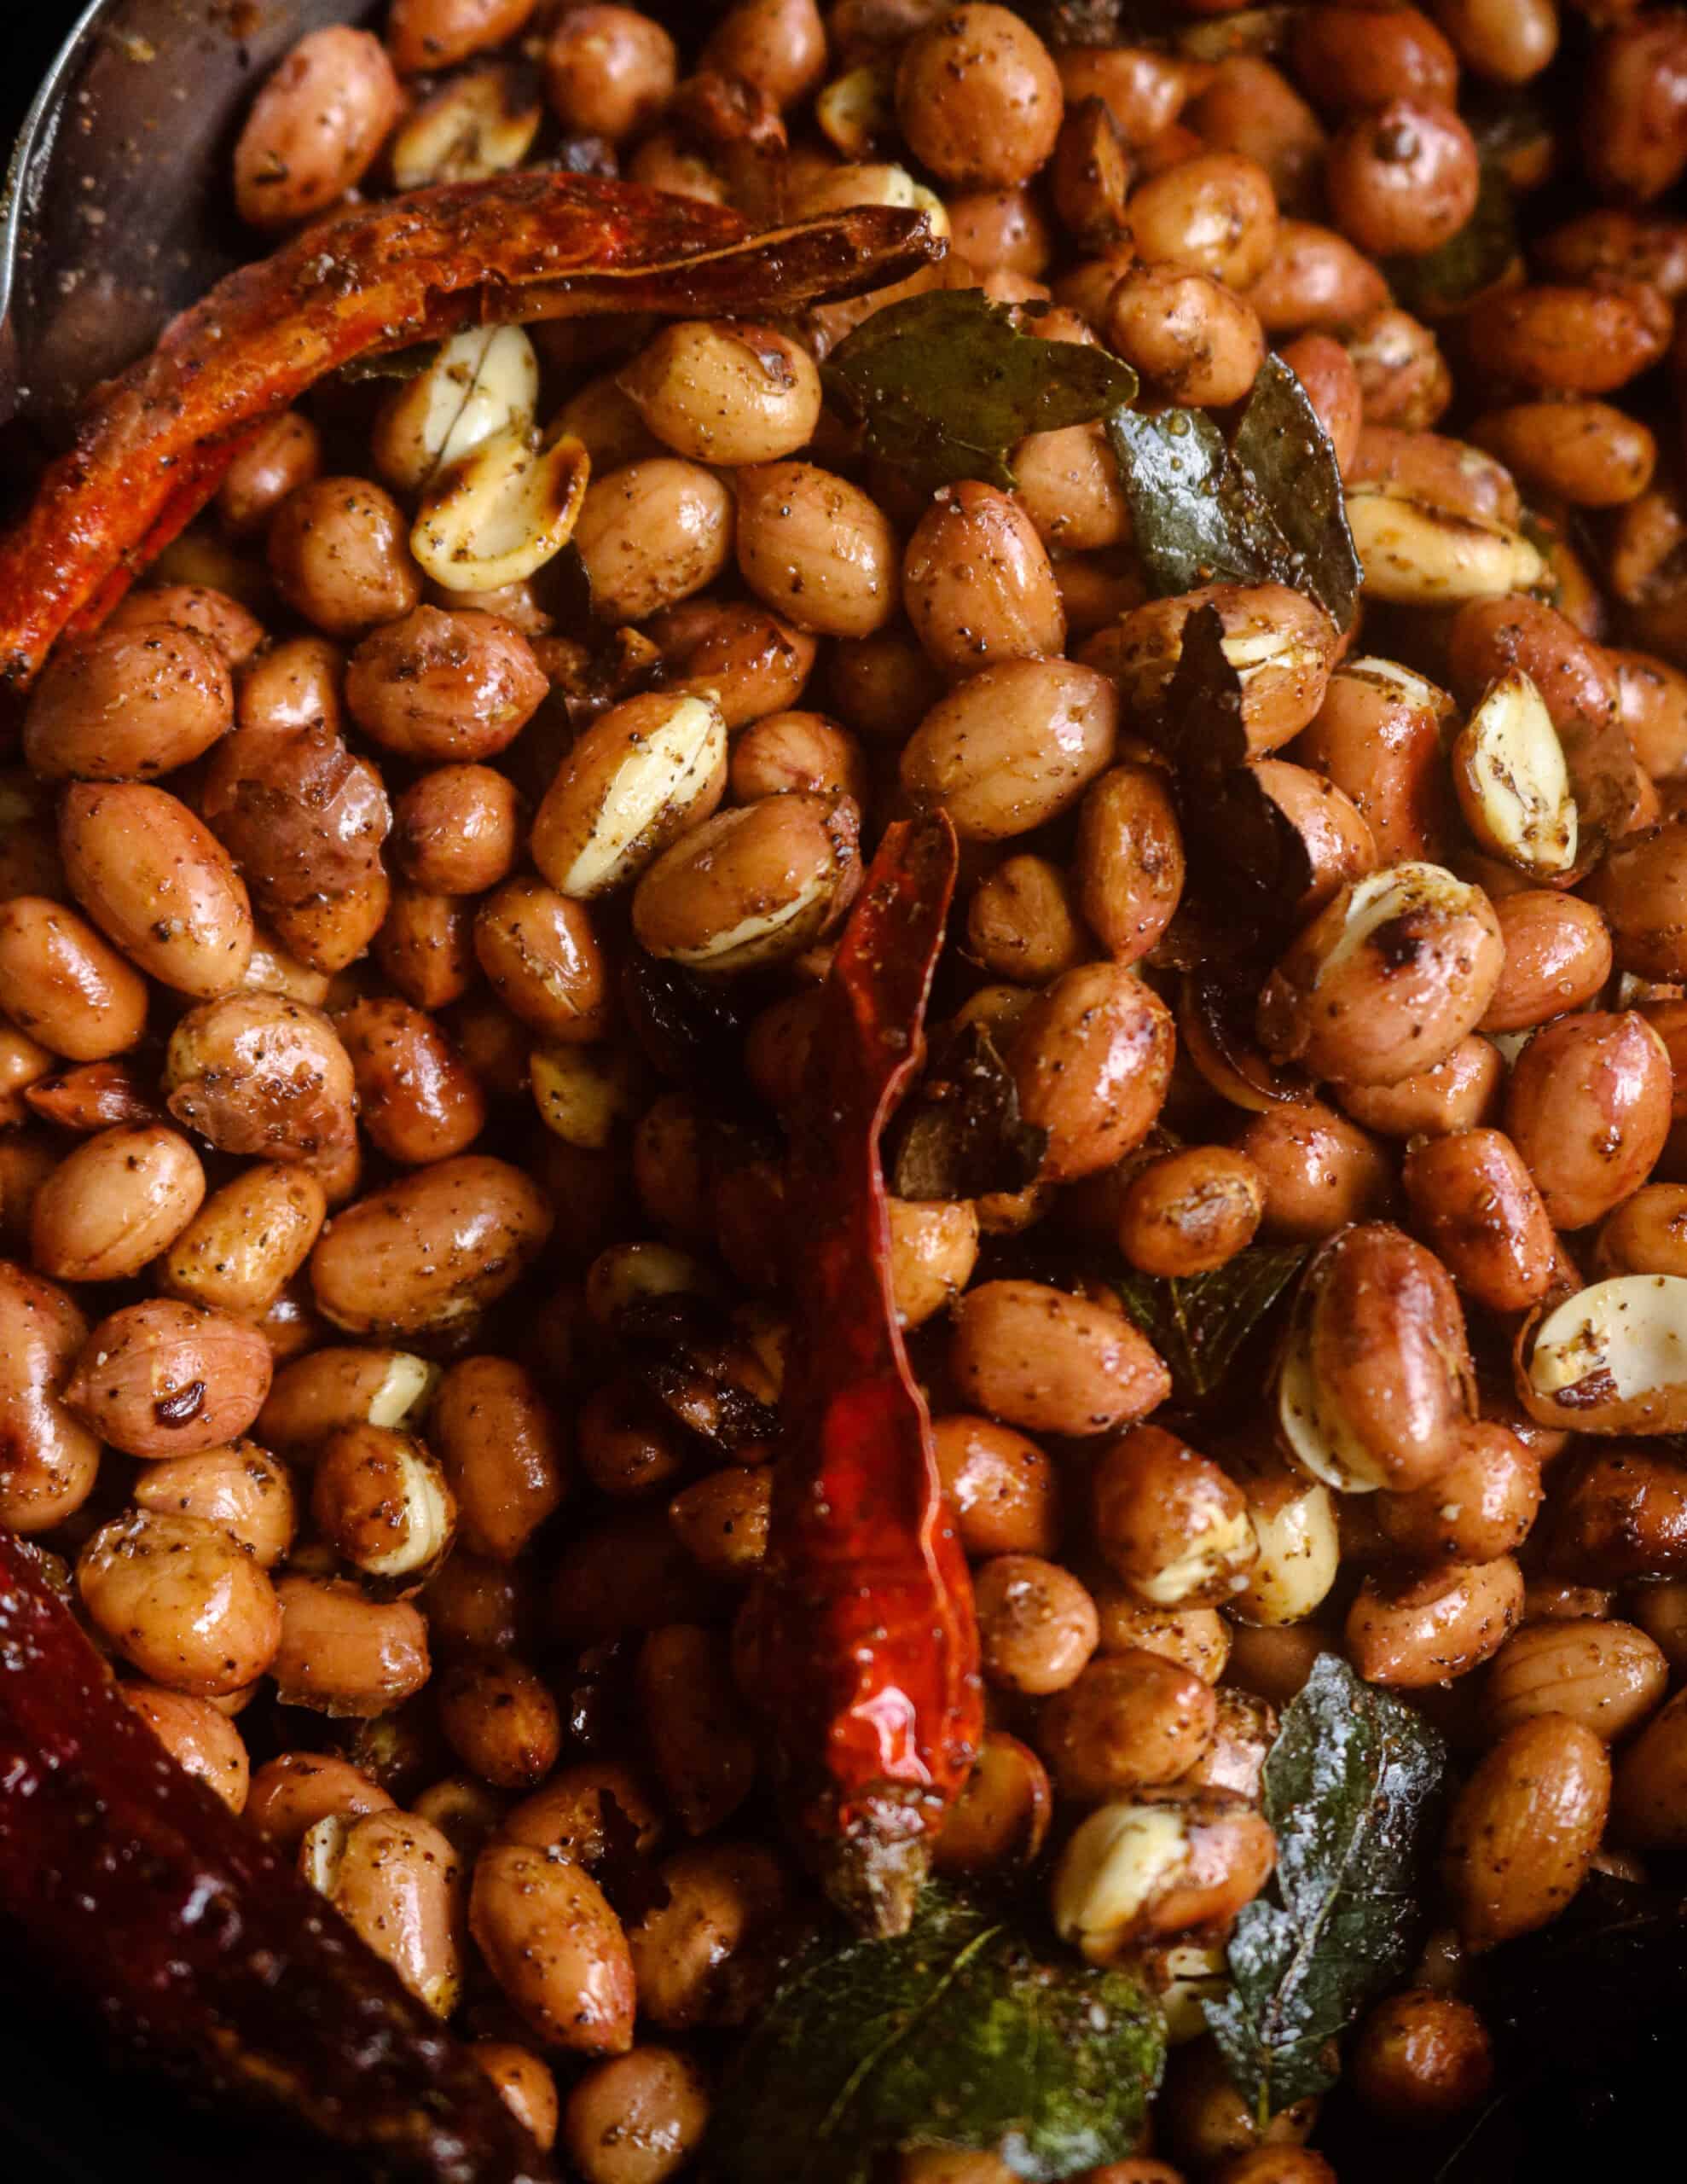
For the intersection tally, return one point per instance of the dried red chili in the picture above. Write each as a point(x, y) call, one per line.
point(154, 444)
point(868, 1642)
point(155, 1906)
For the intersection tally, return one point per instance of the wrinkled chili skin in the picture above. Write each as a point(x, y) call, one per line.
point(157, 1908)
point(155, 442)
point(867, 1633)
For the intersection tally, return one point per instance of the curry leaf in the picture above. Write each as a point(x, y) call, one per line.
point(1201, 1323)
point(961, 1135)
point(1468, 262)
point(1265, 507)
point(956, 2034)
point(946, 384)
point(1350, 1786)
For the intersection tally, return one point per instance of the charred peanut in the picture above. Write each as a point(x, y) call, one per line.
point(1607, 1675)
point(197, 1737)
point(247, 1240)
point(555, 1948)
point(1376, 1383)
point(182, 1600)
point(1588, 1107)
point(240, 1487)
point(1525, 1828)
point(342, 1653)
point(380, 1500)
point(1048, 1362)
point(1135, 1870)
point(115, 1202)
point(1169, 1522)
point(1423, 1631)
point(168, 1379)
point(1478, 1208)
point(1387, 979)
point(49, 1459)
point(636, 779)
point(1013, 747)
point(393, 1878)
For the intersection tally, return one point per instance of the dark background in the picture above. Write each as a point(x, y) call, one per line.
point(27, 45)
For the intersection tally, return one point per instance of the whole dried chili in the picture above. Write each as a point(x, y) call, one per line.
point(154, 444)
point(865, 1630)
point(149, 1900)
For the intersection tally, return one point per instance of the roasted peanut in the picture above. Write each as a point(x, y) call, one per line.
point(182, 1600)
point(1525, 1827)
point(1049, 1363)
point(430, 1249)
point(342, 1653)
point(1428, 1628)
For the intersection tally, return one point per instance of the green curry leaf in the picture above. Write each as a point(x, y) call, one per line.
point(1266, 507)
point(946, 384)
point(1350, 1786)
point(1201, 1323)
point(954, 2035)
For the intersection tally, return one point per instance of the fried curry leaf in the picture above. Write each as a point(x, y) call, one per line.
point(1474, 259)
point(1233, 829)
point(946, 384)
point(1265, 507)
point(955, 2034)
point(1350, 1786)
point(1200, 1323)
point(961, 1135)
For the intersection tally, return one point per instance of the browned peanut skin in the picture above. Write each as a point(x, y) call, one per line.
point(1334, 832)
point(1649, 1806)
point(1481, 1504)
point(1423, 1631)
point(1192, 339)
point(64, 985)
point(300, 814)
point(1092, 1059)
point(638, 777)
point(1001, 1489)
point(1169, 1522)
point(240, 1487)
point(1287, 642)
point(1377, 737)
point(315, 127)
point(247, 1240)
point(1460, 1093)
point(48, 1458)
point(456, 831)
point(283, 455)
point(500, 1719)
point(234, 634)
point(1557, 958)
point(1585, 452)
point(1021, 922)
point(157, 883)
point(1191, 1212)
point(93, 1095)
point(1621, 1514)
point(1000, 1819)
point(1386, 1349)
point(1320, 1171)
point(115, 1202)
point(541, 958)
point(168, 1379)
point(751, 662)
point(1130, 1721)
point(1402, 176)
point(182, 1600)
point(380, 1500)
point(394, 1878)
point(503, 1451)
point(978, 98)
point(337, 548)
point(1571, 340)
point(526, 2085)
point(1588, 1107)
point(1344, 59)
point(695, 1724)
point(438, 685)
point(417, 1098)
point(428, 34)
point(754, 885)
point(1216, 212)
point(128, 704)
point(1429, 466)
point(1048, 1362)
point(653, 532)
point(1128, 860)
point(197, 1738)
point(1421, 2057)
point(290, 1793)
point(1525, 1828)
point(1604, 1674)
point(1315, 279)
point(1637, 93)
point(555, 1948)
point(430, 1249)
point(1037, 1624)
point(1647, 1234)
point(1476, 1207)
point(977, 584)
point(342, 1653)
point(258, 1073)
point(1642, 888)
